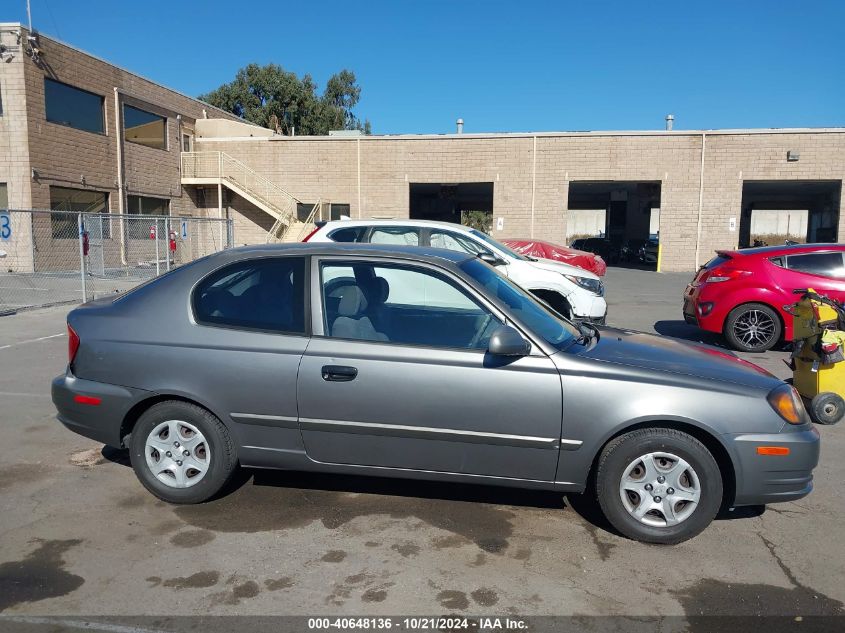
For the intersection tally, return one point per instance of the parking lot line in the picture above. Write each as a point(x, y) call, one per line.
point(8, 394)
point(32, 340)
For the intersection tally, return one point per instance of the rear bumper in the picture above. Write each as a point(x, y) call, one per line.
point(712, 319)
point(100, 422)
point(775, 478)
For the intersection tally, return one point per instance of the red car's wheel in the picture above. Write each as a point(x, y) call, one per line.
point(753, 327)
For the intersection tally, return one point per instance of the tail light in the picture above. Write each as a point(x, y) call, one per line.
point(72, 344)
point(310, 235)
point(723, 273)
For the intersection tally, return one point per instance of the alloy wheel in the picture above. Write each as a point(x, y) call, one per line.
point(754, 329)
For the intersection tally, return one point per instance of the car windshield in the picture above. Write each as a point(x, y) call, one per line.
point(552, 328)
point(497, 245)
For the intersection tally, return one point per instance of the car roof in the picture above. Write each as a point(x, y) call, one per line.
point(783, 249)
point(419, 253)
point(397, 222)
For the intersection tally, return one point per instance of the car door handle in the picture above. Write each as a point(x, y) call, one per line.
point(339, 373)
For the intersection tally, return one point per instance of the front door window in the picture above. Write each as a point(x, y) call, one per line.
point(402, 305)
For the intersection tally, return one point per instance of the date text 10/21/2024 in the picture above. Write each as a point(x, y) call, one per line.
point(418, 623)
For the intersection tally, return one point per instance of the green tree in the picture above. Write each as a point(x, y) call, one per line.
point(272, 97)
point(480, 220)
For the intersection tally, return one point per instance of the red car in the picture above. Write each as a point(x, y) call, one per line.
point(548, 250)
point(741, 293)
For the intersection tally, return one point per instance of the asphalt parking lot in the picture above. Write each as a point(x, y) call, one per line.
point(79, 536)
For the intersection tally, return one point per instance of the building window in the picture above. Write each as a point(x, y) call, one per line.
point(139, 228)
point(334, 211)
point(147, 206)
point(339, 210)
point(4, 196)
point(73, 107)
point(75, 201)
point(186, 142)
point(144, 128)
point(303, 211)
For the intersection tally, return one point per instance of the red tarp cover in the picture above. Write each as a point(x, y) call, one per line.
point(548, 250)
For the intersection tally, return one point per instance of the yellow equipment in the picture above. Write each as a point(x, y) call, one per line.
point(818, 354)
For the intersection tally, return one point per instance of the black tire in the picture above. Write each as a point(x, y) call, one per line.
point(622, 451)
point(222, 458)
point(743, 316)
point(827, 408)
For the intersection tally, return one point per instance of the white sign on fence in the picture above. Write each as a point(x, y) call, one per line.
point(5, 227)
point(184, 231)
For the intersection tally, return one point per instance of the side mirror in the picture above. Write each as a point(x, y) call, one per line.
point(491, 259)
point(506, 341)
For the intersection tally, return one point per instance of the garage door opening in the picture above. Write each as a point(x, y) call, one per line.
point(626, 214)
point(469, 203)
point(774, 211)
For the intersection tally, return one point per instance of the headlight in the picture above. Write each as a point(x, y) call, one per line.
point(593, 285)
point(788, 404)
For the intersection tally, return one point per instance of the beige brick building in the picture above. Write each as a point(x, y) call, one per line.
point(66, 143)
point(699, 187)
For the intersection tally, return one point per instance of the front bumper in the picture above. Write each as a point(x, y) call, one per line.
point(765, 479)
point(100, 422)
point(592, 309)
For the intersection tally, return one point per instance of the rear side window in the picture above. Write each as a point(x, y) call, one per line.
point(259, 294)
point(716, 261)
point(401, 235)
point(351, 234)
point(824, 264)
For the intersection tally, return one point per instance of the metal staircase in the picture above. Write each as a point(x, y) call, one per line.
point(297, 231)
point(218, 168)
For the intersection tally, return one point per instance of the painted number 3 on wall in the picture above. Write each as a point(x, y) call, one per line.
point(5, 227)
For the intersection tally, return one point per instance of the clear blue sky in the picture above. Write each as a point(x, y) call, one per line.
point(501, 66)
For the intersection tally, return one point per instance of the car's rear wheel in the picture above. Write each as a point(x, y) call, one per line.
point(753, 327)
point(658, 485)
point(181, 453)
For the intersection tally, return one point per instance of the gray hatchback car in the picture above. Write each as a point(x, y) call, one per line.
point(424, 364)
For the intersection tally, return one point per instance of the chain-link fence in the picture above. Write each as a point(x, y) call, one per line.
point(49, 257)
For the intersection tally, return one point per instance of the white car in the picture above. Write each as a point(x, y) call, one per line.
point(573, 292)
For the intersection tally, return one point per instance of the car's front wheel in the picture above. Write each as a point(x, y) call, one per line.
point(181, 452)
point(753, 327)
point(658, 485)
